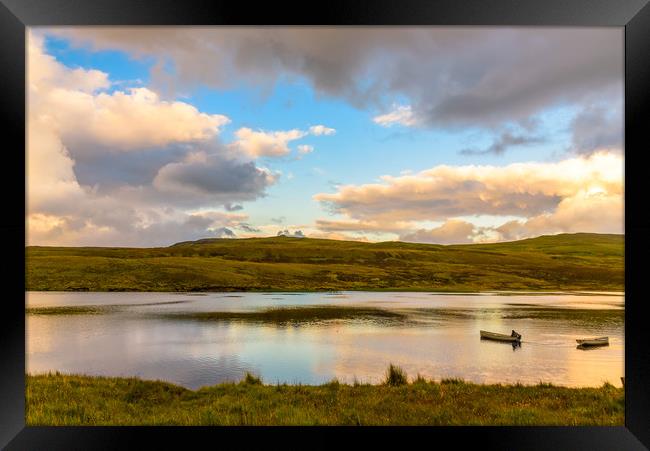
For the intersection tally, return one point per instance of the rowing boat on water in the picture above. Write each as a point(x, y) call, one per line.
point(513, 337)
point(599, 341)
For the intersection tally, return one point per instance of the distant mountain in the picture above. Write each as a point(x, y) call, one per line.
point(581, 261)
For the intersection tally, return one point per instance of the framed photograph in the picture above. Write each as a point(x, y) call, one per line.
point(414, 214)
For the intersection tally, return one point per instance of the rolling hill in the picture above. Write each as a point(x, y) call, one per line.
point(579, 261)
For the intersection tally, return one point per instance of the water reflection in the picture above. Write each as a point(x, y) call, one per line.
point(201, 339)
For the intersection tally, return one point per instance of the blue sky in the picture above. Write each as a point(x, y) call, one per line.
point(491, 123)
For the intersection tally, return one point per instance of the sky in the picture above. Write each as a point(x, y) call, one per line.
point(147, 136)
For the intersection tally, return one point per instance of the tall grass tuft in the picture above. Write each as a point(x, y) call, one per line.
point(419, 379)
point(452, 381)
point(251, 379)
point(395, 376)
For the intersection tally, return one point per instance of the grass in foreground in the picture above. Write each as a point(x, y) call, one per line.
point(56, 399)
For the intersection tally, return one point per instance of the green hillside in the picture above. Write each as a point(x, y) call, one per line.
point(559, 262)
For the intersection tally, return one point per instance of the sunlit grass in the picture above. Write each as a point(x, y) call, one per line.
point(589, 262)
point(56, 399)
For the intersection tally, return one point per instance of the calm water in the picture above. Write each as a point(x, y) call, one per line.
point(436, 336)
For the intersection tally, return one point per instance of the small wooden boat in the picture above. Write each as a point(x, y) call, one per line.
point(513, 337)
point(599, 341)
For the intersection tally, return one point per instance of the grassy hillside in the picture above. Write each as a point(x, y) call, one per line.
point(83, 400)
point(559, 262)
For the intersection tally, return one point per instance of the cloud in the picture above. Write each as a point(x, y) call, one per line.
point(221, 179)
point(318, 130)
point(73, 102)
point(305, 149)
point(577, 194)
point(45, 72)
point(295, 234)
point(247, 227)
point(450, 191)
point(77, 134)
point(453, 231)
point(598, 127)
point(128, 227)
point(362, 226)
point(232, 207)
point(132, 120)
point(299, 230)
point(588, 211)
point(503, 142)
point(480, 76)
point(224, 232)
point(261, 143)
point(100, 173)
point(402, 115)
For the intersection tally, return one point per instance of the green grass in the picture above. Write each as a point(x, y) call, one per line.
point(559, 262)
point(56, 399)
point(66, 310)
point(290, 314)
point(251, 379)
point(395, 376)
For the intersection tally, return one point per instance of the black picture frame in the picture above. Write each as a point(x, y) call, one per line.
point(16, 15)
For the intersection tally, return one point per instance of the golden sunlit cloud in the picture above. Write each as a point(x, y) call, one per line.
point(577, 194)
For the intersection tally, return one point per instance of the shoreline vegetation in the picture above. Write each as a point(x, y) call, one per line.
point(58, 399)
point(565, 262)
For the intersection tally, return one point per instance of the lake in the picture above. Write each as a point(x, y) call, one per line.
point(198, 339)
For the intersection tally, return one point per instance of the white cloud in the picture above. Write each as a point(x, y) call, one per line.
point(147, 227)
point(131, 120)
point(262, 143)
point(72, 121)
point(579, 194)
point(402, 115)
point(305, 149)
point(453, 231)
point(73, 104)
point(520, 189)
point(318, 130)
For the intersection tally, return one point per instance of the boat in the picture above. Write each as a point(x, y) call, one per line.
point(599, 341)
point(513, 337)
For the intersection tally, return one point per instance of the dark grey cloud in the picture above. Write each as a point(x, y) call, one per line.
point(211, 176)
point(597, 127)
point(178, 175)
point(106, 169)
point(503, 142)
point(233, 207)
point(224, 232)
point(480, 76)
point(247, 227)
